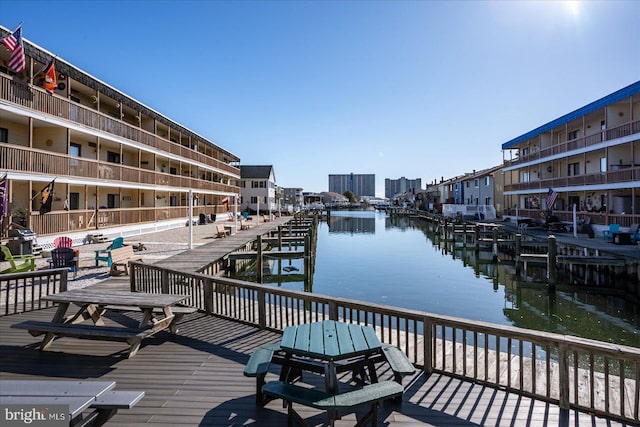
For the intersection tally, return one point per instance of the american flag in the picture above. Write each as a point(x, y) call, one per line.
point(13, 42)
point(551, 198)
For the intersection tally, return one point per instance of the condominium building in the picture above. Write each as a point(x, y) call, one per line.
point(588, 158)
point(114, 162)
point(358, 184)
point(400, 186)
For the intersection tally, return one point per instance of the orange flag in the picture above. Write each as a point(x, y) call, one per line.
point(50, 81)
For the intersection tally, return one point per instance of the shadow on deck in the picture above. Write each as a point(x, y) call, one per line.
point(196, 379)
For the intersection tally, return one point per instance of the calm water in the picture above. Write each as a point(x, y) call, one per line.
point(370, 257)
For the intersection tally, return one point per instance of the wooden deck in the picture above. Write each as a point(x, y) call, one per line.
point(196, 379)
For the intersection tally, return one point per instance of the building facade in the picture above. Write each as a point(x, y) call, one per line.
point(393, 187)
point(358, 184)
point(113, 161)
point(590, 159)
point(258, 189)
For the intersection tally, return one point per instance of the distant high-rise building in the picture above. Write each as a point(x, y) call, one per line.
point(402, 185)
point(358, 184)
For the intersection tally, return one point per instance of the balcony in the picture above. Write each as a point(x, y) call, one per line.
point(575, 144)
point(23, 159)
point(34, 98)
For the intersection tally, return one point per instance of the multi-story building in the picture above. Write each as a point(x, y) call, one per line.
point(258, 188)
point(115, 162)
point(292, 197)
point(358, 184)
point(588, 158)
point(393, 187)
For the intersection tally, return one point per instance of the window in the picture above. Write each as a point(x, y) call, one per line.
point(573, 134)
point(75, 149)
point(113, 157)
point(525, 151)
point(603, 164)
point(4, 135)
point(573, 169)
point(254, 200)
point(524, 177)
point(487, 181)
point(476, 183)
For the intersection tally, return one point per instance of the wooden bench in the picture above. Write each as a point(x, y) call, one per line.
point(399, 362)
point(132, 336)
point(371, 394)
point(120, 258)
point(221, 231)
point(257, 367)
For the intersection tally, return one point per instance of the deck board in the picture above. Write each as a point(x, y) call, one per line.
point(196, 379)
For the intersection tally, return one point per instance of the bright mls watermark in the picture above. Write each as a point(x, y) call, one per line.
point(34, 415)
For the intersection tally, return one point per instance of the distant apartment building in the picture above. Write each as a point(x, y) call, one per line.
point(359, 184)
point(258, 188)
point(292, 196)
point(402, 185)
point(589, 158)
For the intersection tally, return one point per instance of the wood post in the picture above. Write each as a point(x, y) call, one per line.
point(259, 258)
point(552, 254)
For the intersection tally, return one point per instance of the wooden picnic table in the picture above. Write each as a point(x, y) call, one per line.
point(93, 304)
point(67, 400)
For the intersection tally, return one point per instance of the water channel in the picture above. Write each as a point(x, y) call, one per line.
point(369, 256)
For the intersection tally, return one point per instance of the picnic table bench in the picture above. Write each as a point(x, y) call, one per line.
point(371, 394)
point(120, 258)
point(77, 396)
point(93, 305)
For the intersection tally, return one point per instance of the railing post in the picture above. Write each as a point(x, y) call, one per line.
point(208, 295)
point(428, 349)
point(164, 284)
point(262, 309)
point(563, 376)
point(333, 310)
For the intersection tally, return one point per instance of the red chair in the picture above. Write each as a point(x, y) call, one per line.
point(63, 242)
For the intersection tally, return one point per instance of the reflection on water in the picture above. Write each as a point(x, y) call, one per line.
point(352, 224)
point(398, 261)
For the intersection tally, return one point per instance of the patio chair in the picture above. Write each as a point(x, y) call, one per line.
point(118, 242)
point(64, 258)
point(608, 234)
point(28, 261)
point(62, 242)
point(634, 230)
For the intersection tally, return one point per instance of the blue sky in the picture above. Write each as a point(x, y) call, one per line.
point(421, 89)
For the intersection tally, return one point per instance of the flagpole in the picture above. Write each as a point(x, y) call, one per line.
point(190, 218)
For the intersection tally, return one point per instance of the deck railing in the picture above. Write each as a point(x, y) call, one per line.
point(570, 371)
point(21, 292)
point(573, 372)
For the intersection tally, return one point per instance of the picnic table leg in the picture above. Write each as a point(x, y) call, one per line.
point(58, 317)
point(134, 346)
point(147, 316)
point(95, 313)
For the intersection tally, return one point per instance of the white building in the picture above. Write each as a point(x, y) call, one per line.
point(258, 189)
